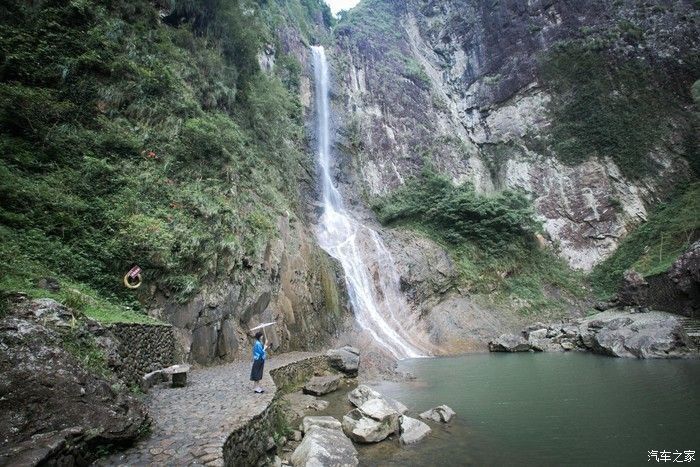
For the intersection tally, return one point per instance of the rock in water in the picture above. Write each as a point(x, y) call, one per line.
point(413, 430)
point(52, 409)
point(364, 429)
point(381, 410)
point(372, 421)
point(320, 385)
point(363, 393)
point(655, 334)
point(439, 414)
point(324, 422)
point(325, 447)
point(509, 343)
point(345, 359)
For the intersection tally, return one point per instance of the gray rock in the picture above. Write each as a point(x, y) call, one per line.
point(538, 334)
point(509, 343)
point(655, 334)
point(363, 393)
point(345, 359)
point(325, 447)
point(320, 385)
point(297, 435)
point(364, 429)
point(379, 409)
point(413, 430)
point(79, 409)
point(322, 421)
point(441, 413)
point(567, 345)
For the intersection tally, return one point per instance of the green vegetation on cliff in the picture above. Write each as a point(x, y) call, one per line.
point(130, 138)
point(607, 106)
point(490, 238)
point(656, 244)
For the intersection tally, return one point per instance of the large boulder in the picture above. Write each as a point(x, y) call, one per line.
point(364, 393)
point(654, 334)
point(509, 343)
point(345, 359)
point(372, 422)
point(322, 421)
point(53, 409)
point(325, 447)
point(441, 414)
point(381, 410)
point(320, 385)
point(365, 429)
point(413, 430)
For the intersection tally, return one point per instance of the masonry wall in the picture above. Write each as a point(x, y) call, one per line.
point(143, 348)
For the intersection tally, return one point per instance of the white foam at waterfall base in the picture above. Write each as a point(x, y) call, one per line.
point(370, 273)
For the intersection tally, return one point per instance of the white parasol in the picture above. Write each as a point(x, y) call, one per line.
point(262, 326)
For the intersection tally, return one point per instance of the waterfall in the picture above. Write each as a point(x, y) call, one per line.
point(370, 273)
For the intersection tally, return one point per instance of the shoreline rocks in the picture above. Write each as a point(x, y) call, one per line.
point(413, 430)
point(441, 413)
point(653, 334)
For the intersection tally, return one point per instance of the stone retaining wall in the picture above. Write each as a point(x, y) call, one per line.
point(143, 348)
point(248, 444)
point(291, 377)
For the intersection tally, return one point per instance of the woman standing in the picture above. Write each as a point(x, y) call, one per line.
point(259, 355)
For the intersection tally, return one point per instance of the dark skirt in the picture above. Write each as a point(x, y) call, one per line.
point(257, 370)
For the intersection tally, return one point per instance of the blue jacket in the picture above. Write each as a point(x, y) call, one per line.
point(258, 351)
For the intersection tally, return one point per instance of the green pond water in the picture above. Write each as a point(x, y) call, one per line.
point(546, 409)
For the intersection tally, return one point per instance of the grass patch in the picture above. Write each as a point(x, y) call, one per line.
point(604, 107)
point(489, 238)
point(656, 244)
point(128, 140)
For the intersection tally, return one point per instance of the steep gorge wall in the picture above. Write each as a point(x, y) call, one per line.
point(457, 84)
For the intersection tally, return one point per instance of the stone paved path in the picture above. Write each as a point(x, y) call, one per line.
point(191, 424)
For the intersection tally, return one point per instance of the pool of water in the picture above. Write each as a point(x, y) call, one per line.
point(547, 409)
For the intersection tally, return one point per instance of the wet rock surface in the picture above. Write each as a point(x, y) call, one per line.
point(442, 414)
point(52, 409)
point(413, 430)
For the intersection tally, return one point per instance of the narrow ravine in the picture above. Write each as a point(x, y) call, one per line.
point(370, 273)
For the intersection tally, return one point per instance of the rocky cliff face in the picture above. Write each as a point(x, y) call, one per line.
point(460, 85)
point(293, 284)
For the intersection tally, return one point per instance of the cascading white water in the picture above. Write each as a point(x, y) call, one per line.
point(370, 274)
